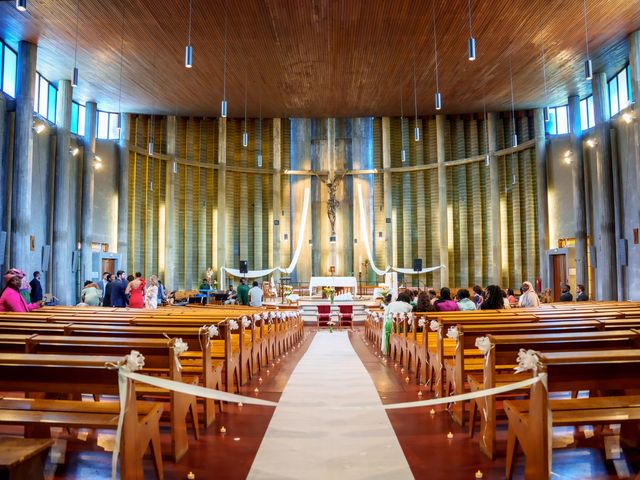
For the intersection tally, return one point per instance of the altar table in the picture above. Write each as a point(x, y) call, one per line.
point(347, 282)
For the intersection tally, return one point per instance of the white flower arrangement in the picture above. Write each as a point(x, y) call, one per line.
point(256, 317)
point(433, 325)
point(453, 333)
point(233, 325)
point(527, 360)
point(246, 323)
point(422, 322)
point(212, 330)
point(133, 361)
point(179, 346)
point(483, 344)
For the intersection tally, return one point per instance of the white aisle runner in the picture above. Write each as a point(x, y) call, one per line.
point(330, 423)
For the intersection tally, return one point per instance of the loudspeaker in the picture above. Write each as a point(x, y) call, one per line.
point(46, 251)
point(417, 264)
point(244, 266)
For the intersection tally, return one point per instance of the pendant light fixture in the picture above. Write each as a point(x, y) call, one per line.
point(472, 41)
point(188, 53)
point(120, 83)
point(21, 5)
point(403, 152)
point(74, 82)
point(415, 101)
point(438, 98)
point(588, 66)
point(223, 105)
point(513, 107)
point(245, 134)
point(546, 92)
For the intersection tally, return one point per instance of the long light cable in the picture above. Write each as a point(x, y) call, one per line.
point(76, 75)
point(120, 87)
point(403, 153)
point(438, 98)
point(223, 106)
point(472, 41)
point(544, 80)
point(588, 66)
point(188, 54)
point(415, 100)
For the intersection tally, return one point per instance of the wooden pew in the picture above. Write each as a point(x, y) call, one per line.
point(467, 358)
point(23, 458)
point(160, 360)
point(600, 370)
point(77, 374)
point(504, 349)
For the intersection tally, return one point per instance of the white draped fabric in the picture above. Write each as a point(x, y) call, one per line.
point(296, 256)
point(364, 234)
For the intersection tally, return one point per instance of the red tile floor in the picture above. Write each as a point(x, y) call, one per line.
point(423, 437)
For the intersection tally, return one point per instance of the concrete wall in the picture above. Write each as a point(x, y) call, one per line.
point(105, 213)
point(562, 221)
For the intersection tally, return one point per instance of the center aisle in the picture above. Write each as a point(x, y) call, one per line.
point(330, 422)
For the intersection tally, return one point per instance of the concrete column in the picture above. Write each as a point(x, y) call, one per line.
point(606, 269)
point(63, 238)
point(222, 174)
point(88, 174)
point(494, 180)
point(442, 200)
point(123, 190)
point(170, 262)
point(23, 156)
point(579, 203)
point(387, 191)
point(543, 205)
point(274, 261)
point(634, 63)
point(4, 168)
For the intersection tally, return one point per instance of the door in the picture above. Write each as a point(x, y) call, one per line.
point(558, 274)
point(108, 265)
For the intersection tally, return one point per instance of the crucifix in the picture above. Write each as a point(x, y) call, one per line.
point(331, 180)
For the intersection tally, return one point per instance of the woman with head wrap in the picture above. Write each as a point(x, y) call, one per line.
point(529, 297)
point(10, 298)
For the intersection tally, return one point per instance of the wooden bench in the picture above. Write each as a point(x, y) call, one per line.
point(77, 374)
point(23, 458)
point(467, 358)
point(530, 420)
point(503, 351)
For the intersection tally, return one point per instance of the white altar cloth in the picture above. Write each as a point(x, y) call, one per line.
point(348, 282)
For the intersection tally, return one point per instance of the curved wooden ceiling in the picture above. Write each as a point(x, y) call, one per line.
point(319, 58)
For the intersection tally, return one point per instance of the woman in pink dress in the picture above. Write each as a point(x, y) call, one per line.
point(135, 289)
point(10, 298)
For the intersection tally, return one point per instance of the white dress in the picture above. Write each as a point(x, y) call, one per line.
point(151, 297)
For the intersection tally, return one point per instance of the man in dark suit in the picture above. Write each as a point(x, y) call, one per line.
point(36, 288)
point(118, 296)
point(102, 284)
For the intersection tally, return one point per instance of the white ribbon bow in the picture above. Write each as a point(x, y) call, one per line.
point(483, 344)
point(453, 333)
point(527, 360)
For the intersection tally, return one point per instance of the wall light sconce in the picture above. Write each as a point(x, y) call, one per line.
point(74, 151)
point(39, 127)
point(567, 157)
point(627, 117)
point(591, 143)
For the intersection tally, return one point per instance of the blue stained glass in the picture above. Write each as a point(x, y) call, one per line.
point(74, 117)
point(53, 98)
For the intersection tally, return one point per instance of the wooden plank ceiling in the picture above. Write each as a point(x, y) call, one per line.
point(319, 58)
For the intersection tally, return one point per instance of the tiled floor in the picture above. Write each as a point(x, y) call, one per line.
point(423, 437)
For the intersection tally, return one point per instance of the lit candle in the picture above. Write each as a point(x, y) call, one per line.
point(479, 474)
point(223, 430)
point(433, 411)
point(449, 435)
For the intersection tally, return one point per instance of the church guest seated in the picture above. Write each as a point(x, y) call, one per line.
point(478, 296)
point(505, 300)
point(493, 298)
point(255, 295)
point(232, 296)
point(424, 303)
point(445, 303)
point(529, 297)
point(511, 297)
point(581, 295)
point(433, 295)
point(10, 298)
point(243, 292)
point(464, 303)
point(566, 295)
point(91, 294)
point(546, 297)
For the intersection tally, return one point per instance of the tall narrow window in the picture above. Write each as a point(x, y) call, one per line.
point(623, 91)
point(103, 125)
point(51, 109)
point(613, 96)
point(114, 133)
point(584, 115)
point(9, 71)
point(74, 117)
point(81, 116)
point(43, 97)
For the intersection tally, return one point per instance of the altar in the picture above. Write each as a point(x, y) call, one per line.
point(344, 282)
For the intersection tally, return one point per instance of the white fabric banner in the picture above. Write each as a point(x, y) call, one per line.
point(296, 256)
